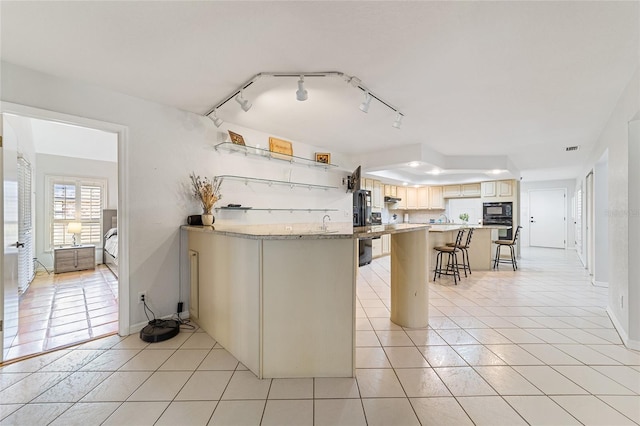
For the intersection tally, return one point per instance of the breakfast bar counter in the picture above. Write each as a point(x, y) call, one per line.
point(480, 250)
point(282, 299)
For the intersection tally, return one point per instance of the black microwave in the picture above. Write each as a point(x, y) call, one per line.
point(497, 210)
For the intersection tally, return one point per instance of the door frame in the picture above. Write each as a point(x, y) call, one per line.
point(564, 191)
point(123, 196)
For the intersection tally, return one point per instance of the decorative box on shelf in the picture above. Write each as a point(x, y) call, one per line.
point(74, 258)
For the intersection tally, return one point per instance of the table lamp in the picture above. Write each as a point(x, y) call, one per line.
point(74, 228)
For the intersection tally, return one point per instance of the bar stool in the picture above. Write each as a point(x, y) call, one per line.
point(464, 249)
point(508, 243)
point(452, 261)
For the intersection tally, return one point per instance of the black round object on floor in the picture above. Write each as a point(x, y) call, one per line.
point(159, 330)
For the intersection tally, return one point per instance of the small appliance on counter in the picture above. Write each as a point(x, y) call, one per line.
point(376, 218)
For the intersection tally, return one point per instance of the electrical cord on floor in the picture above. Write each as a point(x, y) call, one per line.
point(185, 324)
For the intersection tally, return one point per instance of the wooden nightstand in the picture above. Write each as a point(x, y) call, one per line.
point(78, 258)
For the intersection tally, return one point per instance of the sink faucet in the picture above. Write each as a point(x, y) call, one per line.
point(446, 218)
point(324, 224)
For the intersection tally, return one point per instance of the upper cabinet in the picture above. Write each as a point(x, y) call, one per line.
point(436, 198)
point(505, 188)
point(412, 198)
point(401, 192)
point(468, 190)
point(489, 189)
point(390, 191)
point(423, 198)
point(451, 191)
point(376, 197)
point(498, 189)
point(471, 190)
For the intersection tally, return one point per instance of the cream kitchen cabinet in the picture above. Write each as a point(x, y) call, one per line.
point(436, 198)
point(470, 190)
point(412, 198)
point(368, 185)
point(423, 198)
point(497, 188)
point(489, 189)
point(376, 247)
point(460, 191)
point(505, 188)
point(401, 192)
point(376, 196)
point(386, 244)
point(451, 191)
point(390, 191)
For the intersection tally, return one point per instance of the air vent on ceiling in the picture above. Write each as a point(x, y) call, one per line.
point(572, 148)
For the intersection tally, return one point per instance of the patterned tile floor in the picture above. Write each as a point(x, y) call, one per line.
point(64, 309)
point(503, 348)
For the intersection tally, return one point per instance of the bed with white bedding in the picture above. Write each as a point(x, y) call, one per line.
point(110, 242)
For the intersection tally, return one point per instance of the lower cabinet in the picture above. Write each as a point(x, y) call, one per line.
point(376, 247)
point(386, 244)
point(69, 259)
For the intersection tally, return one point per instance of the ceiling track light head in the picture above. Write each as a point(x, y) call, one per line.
point(216, 120)
point(301, 93)
point(364, 106)
point(398, 122)
point(244, 103)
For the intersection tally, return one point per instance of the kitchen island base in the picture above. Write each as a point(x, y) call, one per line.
point(284, 308)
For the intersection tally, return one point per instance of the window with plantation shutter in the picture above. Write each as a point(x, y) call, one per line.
point(75, 200)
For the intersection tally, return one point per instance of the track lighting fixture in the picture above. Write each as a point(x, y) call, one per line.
point(216, 120)
point(301, 93)
point(244, 103)
point(396, 124)
point(364, 106)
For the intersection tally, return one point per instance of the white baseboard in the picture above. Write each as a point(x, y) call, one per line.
point(629, 343)
point(135, 328)
point(600, 284)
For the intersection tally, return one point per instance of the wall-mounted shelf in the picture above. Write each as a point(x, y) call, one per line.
point(271, 182)
point(265, 153)
point(275, 210)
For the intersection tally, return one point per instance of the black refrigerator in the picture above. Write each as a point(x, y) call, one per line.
point(362, 217)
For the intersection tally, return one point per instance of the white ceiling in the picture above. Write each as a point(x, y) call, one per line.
point(509, 84)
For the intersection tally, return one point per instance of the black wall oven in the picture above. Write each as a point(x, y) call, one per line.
point(499, 213)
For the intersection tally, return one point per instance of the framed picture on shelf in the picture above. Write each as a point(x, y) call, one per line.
point(323, 157)
point(236, 138)
point(280, 146)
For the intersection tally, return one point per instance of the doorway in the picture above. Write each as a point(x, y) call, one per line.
point(547, 217)
point(85, 293)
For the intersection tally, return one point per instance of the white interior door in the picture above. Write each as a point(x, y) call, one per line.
point(9, 253)
point(547, 217)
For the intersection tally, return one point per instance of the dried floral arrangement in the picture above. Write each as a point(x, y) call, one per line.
point(206, 191)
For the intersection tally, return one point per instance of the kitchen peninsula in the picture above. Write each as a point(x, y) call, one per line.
point(253, 287)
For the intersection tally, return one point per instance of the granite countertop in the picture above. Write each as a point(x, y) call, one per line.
point(305, 231)
point(379, 230)
point(446, 227)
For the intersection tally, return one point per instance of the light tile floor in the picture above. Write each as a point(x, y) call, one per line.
point(65, 309)
point(528, 347)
